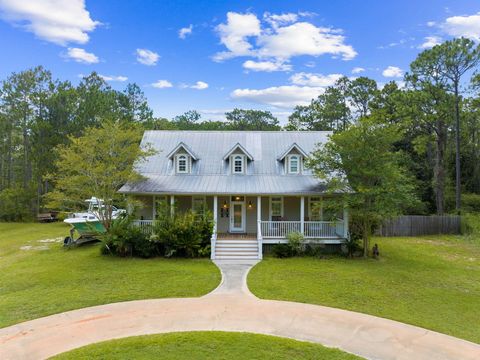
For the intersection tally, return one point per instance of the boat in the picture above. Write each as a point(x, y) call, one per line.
point(87, 224)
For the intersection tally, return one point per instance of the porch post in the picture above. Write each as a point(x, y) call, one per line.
point(345, 223)
point(302, 214)
point(214, 234)
point(154, 209)
point(172, 205)
point(259, 227)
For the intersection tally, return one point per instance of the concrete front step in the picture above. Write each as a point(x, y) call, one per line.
point(240, 252)
point(235, 246)
point(236, 257)
point(237, 242)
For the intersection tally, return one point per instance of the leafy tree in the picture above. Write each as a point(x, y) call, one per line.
point(97, 164)
point(368, 172)
point(361, 92)
point(327, 112)
point(455, 58)
point(134, 105)
point(188, 120)
point(240, 119)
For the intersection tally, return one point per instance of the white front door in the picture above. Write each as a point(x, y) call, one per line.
point(237, 216)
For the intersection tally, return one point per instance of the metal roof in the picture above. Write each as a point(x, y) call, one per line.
point(211, 173)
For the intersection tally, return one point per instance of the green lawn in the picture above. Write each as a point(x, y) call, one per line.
point(432, 282)
point(206, 345)
point(45, 278)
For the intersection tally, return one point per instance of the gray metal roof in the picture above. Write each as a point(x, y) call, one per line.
point(211, 173)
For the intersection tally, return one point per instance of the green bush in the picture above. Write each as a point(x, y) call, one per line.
point(125, 239)
point(282, 251)
point(295, 242)
point(470, 224)
point(184, 234)
point(471, 203)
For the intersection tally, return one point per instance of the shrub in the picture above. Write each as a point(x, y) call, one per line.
point(470, 224)
point(282, 251)
point(16, 204)
point(295, 242)
point(185, 234)
point(125, 239)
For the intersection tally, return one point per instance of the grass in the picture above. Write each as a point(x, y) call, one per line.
point(39, 282)
point(432, 282)
point(206, 345)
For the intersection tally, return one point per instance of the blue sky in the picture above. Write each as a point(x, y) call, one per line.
point(267, 55)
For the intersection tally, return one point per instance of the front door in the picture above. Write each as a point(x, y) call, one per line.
point(237, 216)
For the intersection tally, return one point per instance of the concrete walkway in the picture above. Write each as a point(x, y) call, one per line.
point(231, 307)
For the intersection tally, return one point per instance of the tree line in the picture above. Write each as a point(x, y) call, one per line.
point(436, 111)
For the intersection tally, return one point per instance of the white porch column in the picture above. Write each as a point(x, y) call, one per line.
point(259, 228)
point(345, 222)
point(213, 241)
point(172, 205)
point(154, 209)
point(302, 214)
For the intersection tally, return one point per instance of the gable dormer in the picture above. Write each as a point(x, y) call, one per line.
point(182, 157)
point(292, 159)
point(238, 157)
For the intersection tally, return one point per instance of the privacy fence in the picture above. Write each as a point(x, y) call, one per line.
point(415, 225)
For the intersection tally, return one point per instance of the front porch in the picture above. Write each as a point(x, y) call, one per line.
point(265, 219)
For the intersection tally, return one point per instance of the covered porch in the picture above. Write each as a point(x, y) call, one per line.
point(266, 219)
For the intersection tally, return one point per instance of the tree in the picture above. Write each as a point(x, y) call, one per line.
point(97, 164)
point(361, 92)
point(456, 57)
point(368, 175)
point(328, 112)
point(188, 120)
point(240, 119)
point(134, 105)
point(428, 106)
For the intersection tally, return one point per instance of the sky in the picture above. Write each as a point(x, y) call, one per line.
point(213, 56)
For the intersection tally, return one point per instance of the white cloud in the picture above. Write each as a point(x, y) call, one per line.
point(119, 78)
point(303, 38)
point(280, 19)
point(81, 56)
point(357, 70)
point(199, 85)
point(147, 57)
point(183, 32)
point(57, 21)
point(267, 66)
point(392, 71)
point(284, 38)
point(162, 84)
point(287, 96)
point(431, 23)
point(430, 41)
point(315, 80)
point(467, 26)
point(234, 35)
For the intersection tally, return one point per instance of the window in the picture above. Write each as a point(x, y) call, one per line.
point(315, 208)
point(182, 164)
point(238, 164)
point(293, 164)
point(199, 205)
point(276, 208)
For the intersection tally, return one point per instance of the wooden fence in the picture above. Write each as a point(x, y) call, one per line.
point(415, 225)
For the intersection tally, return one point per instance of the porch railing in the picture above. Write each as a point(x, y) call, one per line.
point(145, 225)
point(311, 229)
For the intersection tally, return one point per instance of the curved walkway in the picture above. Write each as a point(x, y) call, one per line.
point(231, 307)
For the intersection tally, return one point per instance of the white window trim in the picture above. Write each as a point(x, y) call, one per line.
point(187, 165)
point(270, 207)
point(232, 164)
point(299, 164)
point(310, 207)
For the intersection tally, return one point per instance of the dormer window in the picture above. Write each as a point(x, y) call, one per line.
point(292, 159)
point(182, 157)
point(238, 164)
point(182, 163)
point(293, 164)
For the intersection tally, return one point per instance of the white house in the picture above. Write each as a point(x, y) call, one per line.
point(254, 182)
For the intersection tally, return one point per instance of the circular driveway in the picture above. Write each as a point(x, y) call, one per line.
point(231, 307)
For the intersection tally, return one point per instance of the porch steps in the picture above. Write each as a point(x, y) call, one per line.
point(238, 249)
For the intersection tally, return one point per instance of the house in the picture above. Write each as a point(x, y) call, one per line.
point(255, 184)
